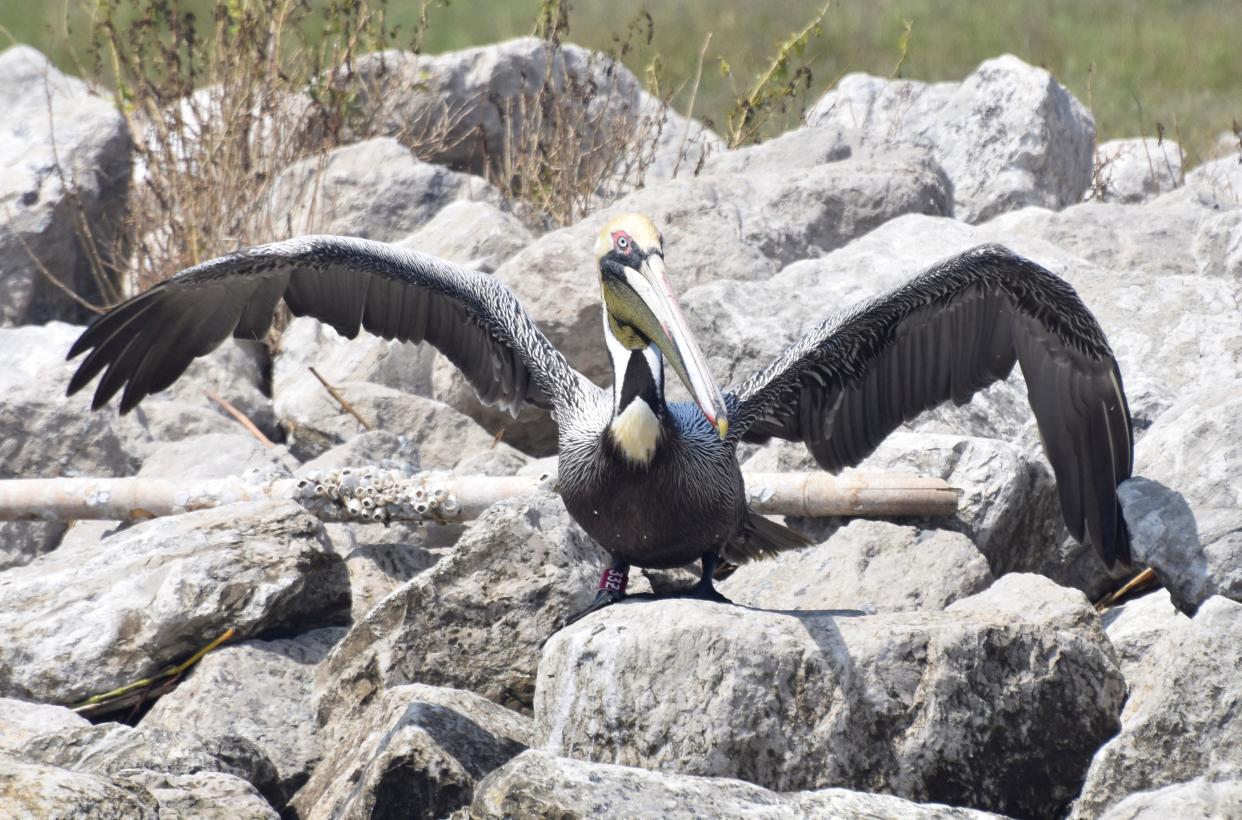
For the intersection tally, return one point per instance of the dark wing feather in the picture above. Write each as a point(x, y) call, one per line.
point(946, 334)
point(145, 344)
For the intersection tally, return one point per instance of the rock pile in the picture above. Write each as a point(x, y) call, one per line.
point(906, 669)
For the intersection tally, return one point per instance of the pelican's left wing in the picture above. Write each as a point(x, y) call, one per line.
point(946, 334)
point(146, 343)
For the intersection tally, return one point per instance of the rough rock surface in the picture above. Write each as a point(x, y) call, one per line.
point(90, 618)
point(59, 143)
point(33, 378)
point(1180, 721)
point(1218, 182)
point(1218, 246)
point(955, 706)
point(471, 233)
point(537, 784)
point(256, 691)
point(1191, 532)
point(436, 435)
point(1008, 507)
point(868, 565)
point(1009, 135)
point(148, 756)
point(38, 790)
point(1136, 626)
point(1198, 799)
point(205, 795)
point(1136, 170)
point(481, 91)
point(415, 751)
point(477, 618)
point(375, 190)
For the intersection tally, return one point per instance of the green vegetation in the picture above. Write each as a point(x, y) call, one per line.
point(1141, 62)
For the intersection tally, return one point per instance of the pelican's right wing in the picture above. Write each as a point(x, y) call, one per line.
point(146, 343)
point(943, 335)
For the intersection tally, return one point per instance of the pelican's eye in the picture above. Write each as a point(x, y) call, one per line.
point(622, 242)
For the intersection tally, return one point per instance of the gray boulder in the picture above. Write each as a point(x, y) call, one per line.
point(1179, 723)
point(64, 155)
point(122, 753)
point(477, 618)
point(381, 559)
point(416, 751)
point(537, 784)
point(1198, 799)
point(33, 378)
point(1008, 507)
point(998, 702)
point(38, 790)
point(1135, 170)
point(868, 565)
point(462, 108)
point(1190, 530)
point(375, 189)
point(202, 795)
point(1218, 246)
point(307, 343)
point(265, 689)
point(90, 618)
point(1138, 625)
point(475, 234)
point(1008, 136)
point(1217, 182)
point(437, 436)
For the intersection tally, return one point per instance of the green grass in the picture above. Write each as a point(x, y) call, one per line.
point(1172, 62)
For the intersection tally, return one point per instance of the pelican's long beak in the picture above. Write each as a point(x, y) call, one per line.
point(653, 311)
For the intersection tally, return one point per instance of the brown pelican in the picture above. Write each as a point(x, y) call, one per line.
point(658, 484)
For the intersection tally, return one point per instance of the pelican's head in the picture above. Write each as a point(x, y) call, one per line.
point(641, 310)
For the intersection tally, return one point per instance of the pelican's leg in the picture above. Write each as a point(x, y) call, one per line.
point(611, 589)
point(705, 590)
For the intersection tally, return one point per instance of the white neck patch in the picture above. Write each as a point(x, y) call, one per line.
point(637, 432)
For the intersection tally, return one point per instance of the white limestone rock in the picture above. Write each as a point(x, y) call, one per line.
point(1008, 136)
point(537, 784)
point(65, 153)
point(477, 618)
point(475, 234)
point(265, 689)
point(1180, 721)
point(89, 618)
point(480, 93)
point(1137, 625)
point(1135, 170)
point(1198, 799)
point(868, 565)
point(997, 703)
point(1190, 530)
point(376, 189)
point(411, 751)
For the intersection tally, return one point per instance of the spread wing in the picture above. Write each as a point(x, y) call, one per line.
point(946, 334)
point(146, 343)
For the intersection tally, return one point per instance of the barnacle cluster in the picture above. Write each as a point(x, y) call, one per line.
point(374, 494)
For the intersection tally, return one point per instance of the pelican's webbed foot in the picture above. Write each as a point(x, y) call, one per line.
point(611, 589)
point(705, 589)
